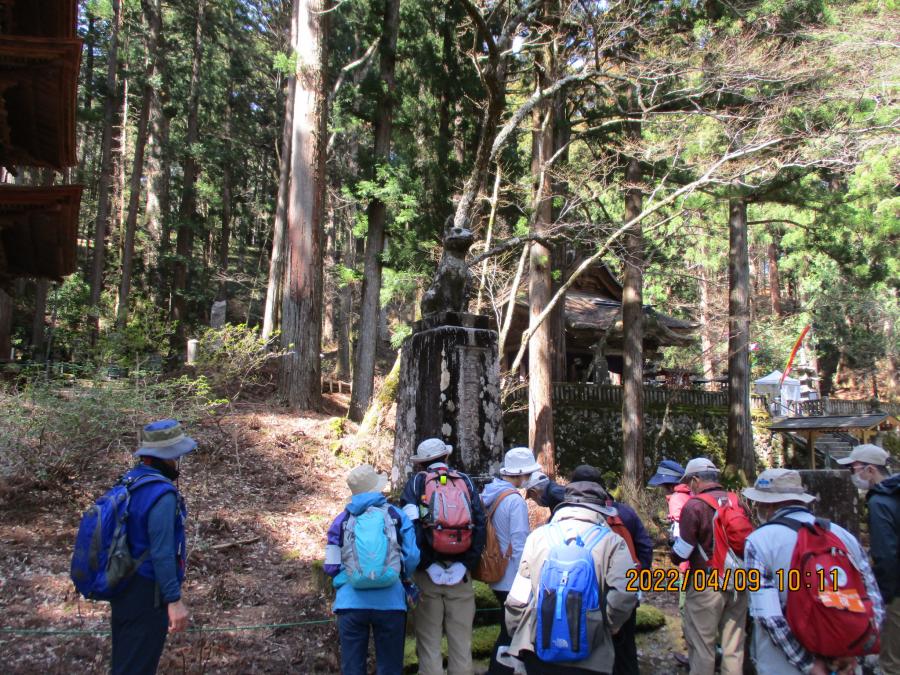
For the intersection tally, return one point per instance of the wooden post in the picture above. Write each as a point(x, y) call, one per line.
point(811, 441)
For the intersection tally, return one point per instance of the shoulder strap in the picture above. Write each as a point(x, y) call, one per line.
point(145, 479)
point(709, 500)
point(594, 535)
point(503, 495)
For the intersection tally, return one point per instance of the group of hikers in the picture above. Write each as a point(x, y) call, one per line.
point(569, 588)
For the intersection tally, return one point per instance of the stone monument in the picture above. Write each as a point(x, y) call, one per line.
point(450, 373)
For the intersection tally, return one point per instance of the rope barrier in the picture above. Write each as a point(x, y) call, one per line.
point(199, 629)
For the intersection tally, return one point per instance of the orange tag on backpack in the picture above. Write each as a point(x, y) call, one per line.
point(848, 600)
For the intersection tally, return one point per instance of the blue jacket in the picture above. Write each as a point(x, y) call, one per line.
point(555, 495)
point(510, 525)
point(392, 597)
point(884, 535)
point(156, 522)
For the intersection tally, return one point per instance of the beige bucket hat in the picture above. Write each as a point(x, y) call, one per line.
point(778, 485)
point(430, 450)
point(364, 478)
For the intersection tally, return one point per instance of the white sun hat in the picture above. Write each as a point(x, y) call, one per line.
point(518, 462)
point(431, 449)
point(866, 454)
point(778, 485)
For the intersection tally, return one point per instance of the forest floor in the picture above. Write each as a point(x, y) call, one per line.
point(261, 490)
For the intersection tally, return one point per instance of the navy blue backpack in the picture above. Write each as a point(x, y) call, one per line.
point(568, 590)
point(102, 559)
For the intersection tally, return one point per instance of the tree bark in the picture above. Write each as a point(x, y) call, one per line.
point(227, 196)
point(38, 327)
point(100, 224)
point(275, 287)
point(704, 293)
point(739, 453)
point(154, 28)
point(6, 312)
point(366, 351)
point(633, 338)
point(187, 212)
point(774, 279)
point(540, 282)
point(300, 375)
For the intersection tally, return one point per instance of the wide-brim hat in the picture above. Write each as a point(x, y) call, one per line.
point(519, 462)
point(164, 439)
point(668, 472)
point(431, 449)
point(778, 485)
point(364, 478)
point(590, 495)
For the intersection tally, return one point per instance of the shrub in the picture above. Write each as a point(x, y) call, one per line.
point(233, 359)
point(649, 618)
point(52, 433)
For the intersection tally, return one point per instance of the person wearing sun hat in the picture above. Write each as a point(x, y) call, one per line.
point(709, 613)
point(869, 470)
point(447, 604)
point(370, 600)
point(780, 499)
point(508, 512)
point(151, 605)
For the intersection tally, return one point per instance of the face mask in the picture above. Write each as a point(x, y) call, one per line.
point(762, 514)
point(860, 482)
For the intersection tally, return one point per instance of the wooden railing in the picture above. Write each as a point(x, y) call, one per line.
point(609, 394)
point(834, 406)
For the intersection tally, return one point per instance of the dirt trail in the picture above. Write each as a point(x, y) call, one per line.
point(259, 474)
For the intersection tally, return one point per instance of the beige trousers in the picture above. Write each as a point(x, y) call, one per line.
point(440, 609)
point(707, 615)
point(889, 659)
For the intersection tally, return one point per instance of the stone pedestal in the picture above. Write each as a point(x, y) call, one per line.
point(450, 389)
point(838, 499)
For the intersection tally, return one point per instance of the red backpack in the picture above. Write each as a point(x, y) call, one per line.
point(731, 527)
point(831, 614)
point(449, 519)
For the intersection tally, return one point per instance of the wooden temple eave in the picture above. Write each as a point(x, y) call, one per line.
point(38, 18)
point(38, 81)
point(38, 229)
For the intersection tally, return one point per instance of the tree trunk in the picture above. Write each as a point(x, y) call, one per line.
point(633, 336)
point(38, 327)
point(774, 280)
point(120, 145)
point(275, 288)
point(540, 282)
point(6, 312)
point(890, 340)
point(366, 352)
point(154, 27)
point(707, 357)
point(100, 225)
point(739, 454)
point(187, 212)
point(300, 376)
point(227, 196)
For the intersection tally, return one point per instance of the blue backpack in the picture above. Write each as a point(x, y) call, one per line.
point(102, 559)
point(568, 590)
point(370, 555)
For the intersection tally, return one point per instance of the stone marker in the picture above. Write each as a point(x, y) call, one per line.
point(838, 499)
point(192, 351)
point(449, 384)
point(217, 314)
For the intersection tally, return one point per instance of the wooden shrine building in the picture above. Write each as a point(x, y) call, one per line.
point(39, 62)
point(593, 322)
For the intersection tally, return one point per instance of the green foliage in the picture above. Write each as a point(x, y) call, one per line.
point(52, 433)
point(399, 334)
point(233, 359)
